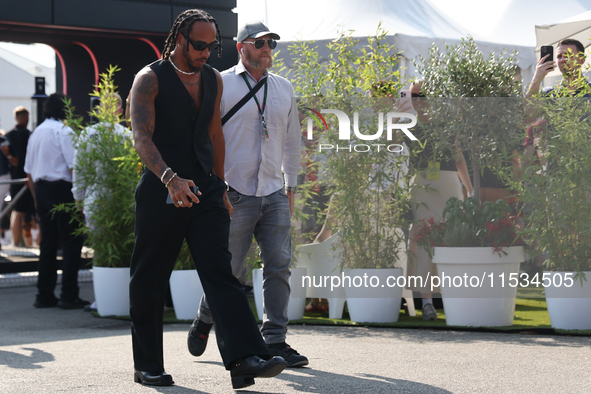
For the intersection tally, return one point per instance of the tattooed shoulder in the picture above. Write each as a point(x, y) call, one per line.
point(146, 82)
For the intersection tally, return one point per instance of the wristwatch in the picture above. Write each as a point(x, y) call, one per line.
point(291, 189)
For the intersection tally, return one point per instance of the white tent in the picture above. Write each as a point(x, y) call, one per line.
point(577, 27)
point(511, 21)
point(413, 26)
point(17, 79)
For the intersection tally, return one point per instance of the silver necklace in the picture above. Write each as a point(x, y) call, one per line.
point(179, 70)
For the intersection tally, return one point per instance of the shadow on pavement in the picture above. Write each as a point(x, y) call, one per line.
point(20, 361)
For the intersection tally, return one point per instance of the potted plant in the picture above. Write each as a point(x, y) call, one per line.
point(368, 183)
point(555, 191)
point(185, 286)
point(475, 112)
point(477, 252)
point(108, 168)
point(475, 106)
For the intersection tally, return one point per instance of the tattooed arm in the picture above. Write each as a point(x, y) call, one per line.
point(143, 94)
point(217, 139)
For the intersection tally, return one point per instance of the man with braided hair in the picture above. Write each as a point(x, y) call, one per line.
point(175, 114)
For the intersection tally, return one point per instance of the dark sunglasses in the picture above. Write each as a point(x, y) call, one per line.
point(258, 44)
point(417, 95)
point(200, 45)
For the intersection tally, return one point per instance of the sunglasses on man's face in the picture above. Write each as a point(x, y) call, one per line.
point(200, 45)
point(258, 44)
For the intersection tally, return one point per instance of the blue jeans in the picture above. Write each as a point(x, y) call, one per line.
point(267, 218)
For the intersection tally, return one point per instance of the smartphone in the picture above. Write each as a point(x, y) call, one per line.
point(405, 93)
point(547, 50)
point(195, 189)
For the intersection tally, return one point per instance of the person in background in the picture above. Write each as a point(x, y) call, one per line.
point(15, 150)
point(84, 194)
point(436, 173)
point(4, 174)
point(48, 165)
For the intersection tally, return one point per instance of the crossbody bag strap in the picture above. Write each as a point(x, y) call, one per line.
point(241, 103)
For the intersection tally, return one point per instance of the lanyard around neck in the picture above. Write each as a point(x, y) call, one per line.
point(261, 110)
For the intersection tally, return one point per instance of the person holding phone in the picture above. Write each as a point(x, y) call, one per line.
point(570, 57)
point(177, 130)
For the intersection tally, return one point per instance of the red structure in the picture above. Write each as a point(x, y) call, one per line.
point(90, 36)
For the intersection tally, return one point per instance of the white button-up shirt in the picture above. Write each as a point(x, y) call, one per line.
point(253, 165)
point(50, 152)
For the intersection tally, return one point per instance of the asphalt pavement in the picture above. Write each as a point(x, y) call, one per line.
point(71, 351)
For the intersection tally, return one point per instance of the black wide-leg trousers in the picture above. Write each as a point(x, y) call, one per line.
point(57, 226)
point(160, 231)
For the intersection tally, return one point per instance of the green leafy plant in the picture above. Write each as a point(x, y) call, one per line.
point(184, 261)
point(109, 168)
point(467, 224)
point(555, 187)
point(474, 105)
point(370, 190)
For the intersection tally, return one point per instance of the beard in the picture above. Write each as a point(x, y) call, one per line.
point(257, 63)
point(192, 67)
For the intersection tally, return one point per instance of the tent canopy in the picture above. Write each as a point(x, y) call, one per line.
point(314, 20)
point(577, 27)
point(413, 26)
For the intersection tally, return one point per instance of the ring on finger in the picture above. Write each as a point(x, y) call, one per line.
point(180, 203)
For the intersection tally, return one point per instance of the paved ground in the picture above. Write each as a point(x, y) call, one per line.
point(58, 351)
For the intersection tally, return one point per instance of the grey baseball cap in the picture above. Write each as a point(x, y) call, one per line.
point(254, 29)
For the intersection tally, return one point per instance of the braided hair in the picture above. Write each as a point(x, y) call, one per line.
point(183, 24)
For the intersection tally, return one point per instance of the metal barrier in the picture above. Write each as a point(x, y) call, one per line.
point(14, 199)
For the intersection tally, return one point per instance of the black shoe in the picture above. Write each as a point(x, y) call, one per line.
point(162, 379)
point(198, 335)
point(76, 303)
point(293, 358)
point(45, 303)
point(244, 371)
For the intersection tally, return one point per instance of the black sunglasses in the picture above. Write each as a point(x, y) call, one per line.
point(417, 95)
point(200, 45)
point(258, 44)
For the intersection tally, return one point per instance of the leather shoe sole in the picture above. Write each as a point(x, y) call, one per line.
point(162, 379)
point(244, 372)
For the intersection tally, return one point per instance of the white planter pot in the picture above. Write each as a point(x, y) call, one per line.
point(295, 307)
point(320, 260)
point(186, 292)
point(111, 290)
point(363, 306)
point(474, 301)
point(569, 307)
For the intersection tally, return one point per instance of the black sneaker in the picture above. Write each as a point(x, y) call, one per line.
point(45, 303)
point(76, 303)
point(293, 358)
point(198, 335)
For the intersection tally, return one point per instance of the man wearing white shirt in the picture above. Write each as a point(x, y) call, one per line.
point(48, 164)
point(262, 145)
